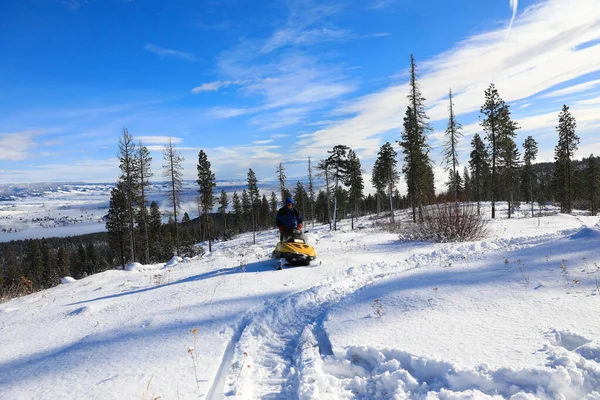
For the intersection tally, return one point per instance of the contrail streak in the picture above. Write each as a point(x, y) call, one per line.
point(514, 4)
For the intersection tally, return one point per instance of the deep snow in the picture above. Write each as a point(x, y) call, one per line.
point(511, 316)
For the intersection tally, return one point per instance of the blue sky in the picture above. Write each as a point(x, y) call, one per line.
point(255, 83)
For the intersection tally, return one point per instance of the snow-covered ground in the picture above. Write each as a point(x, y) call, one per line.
point(511, 316)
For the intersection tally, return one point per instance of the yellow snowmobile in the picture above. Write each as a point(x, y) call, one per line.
point(295, 250)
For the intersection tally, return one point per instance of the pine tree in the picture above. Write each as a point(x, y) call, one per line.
point(145, 168)
point(92, 259)
point(185, 218)
point(497, 124)
point(265, 212)
point(338, 161)
point(281, 177)
point(49, 275)
point(172, 170)
point(254, 197)
point(480, 167)
point(417, 168)
point(62, 262)
point(355, 183)
point(325, 169)
point(117, 222)
point(273, 204)
point(385, 173)
point(311, 193)
point(530, 150)
point(206, 181)
point(300, 197)
point(467, 184)
point(238, 210)
point(81, 262)
point(563, 154)
point(223, 205)
point(592, 175)
point(155, 225)
point(130, 176)
point(453, 135)
point(509, 162)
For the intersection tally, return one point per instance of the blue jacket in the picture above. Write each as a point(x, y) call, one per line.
point(288, 218)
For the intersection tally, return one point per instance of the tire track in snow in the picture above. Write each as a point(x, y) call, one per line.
point(267, 355)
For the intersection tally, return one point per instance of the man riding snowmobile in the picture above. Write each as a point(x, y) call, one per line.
point(289, 222)
point(292, 242)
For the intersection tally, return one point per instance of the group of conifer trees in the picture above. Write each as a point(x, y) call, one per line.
point(136, 231)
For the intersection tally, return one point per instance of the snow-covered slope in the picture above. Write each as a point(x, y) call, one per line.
point(510, 316)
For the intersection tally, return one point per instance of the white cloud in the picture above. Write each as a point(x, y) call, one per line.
point(158, 139)
point(16, 146)
point(267, 141)
point(164, 52)
point(210, 86)
point(572, 89)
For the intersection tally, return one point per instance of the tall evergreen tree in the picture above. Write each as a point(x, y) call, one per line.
point(479, 164)
point(497, 124)
point(172, 170)
point(592, 175)
point(563, 154)
point(311, 193)
point(254, 196)
point(338, 160)
point(453, 135)
point(238, 209)
point(418, 170)
point(274, 205)
point(155, 225)
point(62, 262)
point(265, 212)
point(145, 170)
point(530, 150)
point(49, 275)
point(223, 205)
point(509, 162)
point(130, 176)
point(206, 182)
point(354, 181)
point(468, 189)
point(92, 259)
point(117, 222)
point(300, 198)
point(325, 169)
point(385, 173)
point(281, 178)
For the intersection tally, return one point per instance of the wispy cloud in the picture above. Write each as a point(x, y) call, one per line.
point(514, 5)
point(16, 146)
point(267, 141)
point(158, 139)
point(164, 52)
point(211, 86)
point(379, 4)
point(582, 87)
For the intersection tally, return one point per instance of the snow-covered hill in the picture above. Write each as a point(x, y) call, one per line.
point(510, 316)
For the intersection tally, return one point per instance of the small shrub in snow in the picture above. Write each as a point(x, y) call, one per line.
point(448, 222)
point(194, 355)
point(377, 308)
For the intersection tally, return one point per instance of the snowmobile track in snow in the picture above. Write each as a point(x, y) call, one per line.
point(265, 357)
